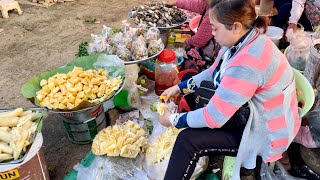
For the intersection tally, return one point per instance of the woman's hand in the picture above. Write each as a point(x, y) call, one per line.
point(293, 27)
point(170, 2)
point(165, 118)
point(174, 91)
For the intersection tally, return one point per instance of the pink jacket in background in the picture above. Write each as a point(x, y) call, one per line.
point(204, 33)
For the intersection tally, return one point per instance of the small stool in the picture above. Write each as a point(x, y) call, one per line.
point(7, 5)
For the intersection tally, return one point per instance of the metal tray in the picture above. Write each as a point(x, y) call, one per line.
point(53, 111)
point(161, 28)
point(145, 59)
point(32, 137)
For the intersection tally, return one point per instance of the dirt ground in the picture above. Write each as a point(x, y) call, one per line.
point(43, 39)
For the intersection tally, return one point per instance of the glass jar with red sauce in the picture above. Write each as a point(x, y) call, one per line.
point(166, 71)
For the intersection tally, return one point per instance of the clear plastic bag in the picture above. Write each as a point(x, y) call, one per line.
point(154, 47)
point(139, 48)
point(279, 173)
point(312, 71)
point(124, 53)
point(106, 32)
point(110, 63)
point(153, 33)
point(132, 116)
point(297, 57)
point(141, 29)
point(98, 43)
point(125, 26)
point(116, 39)
point(112, 168)
point(157, 170)
point(125, 41)
point(132, 32)
point(314, 122)
point(298, 50)
point(138, 42)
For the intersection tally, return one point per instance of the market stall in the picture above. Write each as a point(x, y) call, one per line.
point(126, 69)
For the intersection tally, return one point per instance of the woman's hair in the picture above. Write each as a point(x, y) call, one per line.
point(228, 12)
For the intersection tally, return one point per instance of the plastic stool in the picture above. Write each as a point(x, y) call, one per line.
point(7, 5)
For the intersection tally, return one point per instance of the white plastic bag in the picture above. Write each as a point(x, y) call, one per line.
point(298, 51)
point(156, 169)
point(112, 168)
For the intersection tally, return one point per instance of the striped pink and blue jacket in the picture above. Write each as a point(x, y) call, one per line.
point(260, 75)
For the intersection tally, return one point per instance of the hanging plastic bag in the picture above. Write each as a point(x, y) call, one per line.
point(112, 168)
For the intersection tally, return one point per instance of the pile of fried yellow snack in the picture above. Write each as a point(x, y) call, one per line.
point(161, 148)
point(16, 129)
point(67, 91)
point(126, 140)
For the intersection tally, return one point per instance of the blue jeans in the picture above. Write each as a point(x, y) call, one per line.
point(284, 8)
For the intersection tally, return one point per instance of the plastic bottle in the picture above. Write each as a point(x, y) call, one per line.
point(166, 71)
point(171, 40)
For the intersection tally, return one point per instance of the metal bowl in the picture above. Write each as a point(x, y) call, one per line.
point(161, 28)
point(84, 109)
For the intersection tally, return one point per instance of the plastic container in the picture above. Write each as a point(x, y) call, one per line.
point(194, 23)
point(84, 132)
point(148, 71)
point(275, 34)
point(166, 71)
point(83, 125)
point(305, 92)
point(33, 167)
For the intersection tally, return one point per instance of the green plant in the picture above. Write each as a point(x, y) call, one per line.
point(83, 49)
